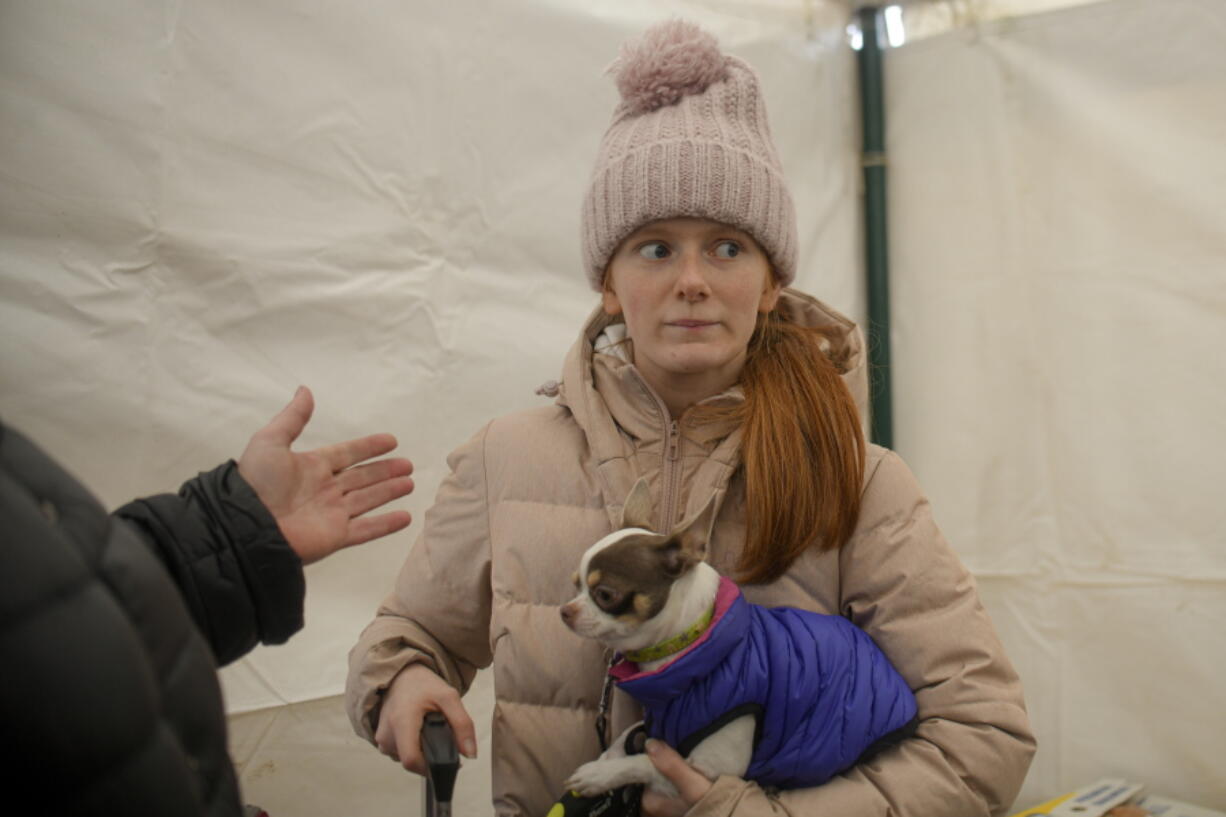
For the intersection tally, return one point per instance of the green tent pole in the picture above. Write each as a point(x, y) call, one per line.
point(873, 159)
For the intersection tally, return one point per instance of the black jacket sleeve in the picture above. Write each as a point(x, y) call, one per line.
point(240, 579)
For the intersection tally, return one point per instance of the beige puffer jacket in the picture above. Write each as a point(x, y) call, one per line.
point(533, 490)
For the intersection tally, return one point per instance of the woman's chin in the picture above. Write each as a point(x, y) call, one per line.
point(699, 362)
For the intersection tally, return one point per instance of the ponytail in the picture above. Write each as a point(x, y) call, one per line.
point(803, 447)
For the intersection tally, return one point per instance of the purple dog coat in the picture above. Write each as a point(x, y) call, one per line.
point(822, 690)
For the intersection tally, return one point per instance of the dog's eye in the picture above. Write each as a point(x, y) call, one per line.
point(606, 596)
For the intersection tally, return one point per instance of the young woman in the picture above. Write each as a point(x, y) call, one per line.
point(703, 373)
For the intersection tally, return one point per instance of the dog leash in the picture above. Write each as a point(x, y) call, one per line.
point(602, 713)
point(623, 801)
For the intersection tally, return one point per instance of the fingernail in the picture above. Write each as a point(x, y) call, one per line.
point(470, 748)
point(652, 746)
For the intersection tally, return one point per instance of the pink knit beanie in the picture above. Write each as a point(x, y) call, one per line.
point(689, 138)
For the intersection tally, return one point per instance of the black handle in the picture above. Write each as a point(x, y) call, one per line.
point(442, 757)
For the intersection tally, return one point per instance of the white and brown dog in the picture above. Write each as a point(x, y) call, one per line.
point(783, 696)
point(638, 589)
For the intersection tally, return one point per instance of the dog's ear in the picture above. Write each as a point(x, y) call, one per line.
point(673, 560)
point(693, 534)
point(636, 513)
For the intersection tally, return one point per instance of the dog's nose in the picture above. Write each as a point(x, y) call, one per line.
point(568, 614)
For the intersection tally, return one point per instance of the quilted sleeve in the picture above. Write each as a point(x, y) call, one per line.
point(240, 579)
point(438, 613)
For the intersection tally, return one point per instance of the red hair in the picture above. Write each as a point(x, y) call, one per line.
point(803, 447)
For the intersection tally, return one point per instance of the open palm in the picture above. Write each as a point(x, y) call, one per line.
point(319, 497)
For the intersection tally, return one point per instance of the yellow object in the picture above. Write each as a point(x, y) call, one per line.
point(1030, 812)
point(557, 811)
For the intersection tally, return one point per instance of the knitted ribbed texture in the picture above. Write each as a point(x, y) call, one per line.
point(708, 154)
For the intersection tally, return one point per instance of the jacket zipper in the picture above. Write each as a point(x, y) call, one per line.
point(672, 473)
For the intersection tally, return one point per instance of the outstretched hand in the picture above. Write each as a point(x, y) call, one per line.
point(319, 497)
point(690, 783)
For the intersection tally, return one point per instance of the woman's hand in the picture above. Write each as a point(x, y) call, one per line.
point(319, 497)
point(691, 784)
point(414, 692)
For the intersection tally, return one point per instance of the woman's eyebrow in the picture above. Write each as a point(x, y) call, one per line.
point(668, 234)
point(646, 233)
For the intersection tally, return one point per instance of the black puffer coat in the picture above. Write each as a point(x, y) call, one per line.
point(111, 627)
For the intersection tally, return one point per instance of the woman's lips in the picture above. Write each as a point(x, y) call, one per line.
point(691, 324)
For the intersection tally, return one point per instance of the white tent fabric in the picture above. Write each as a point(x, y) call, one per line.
point(1058, 200)
point(205, 204)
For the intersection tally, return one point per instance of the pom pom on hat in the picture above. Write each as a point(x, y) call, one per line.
point(670, 61)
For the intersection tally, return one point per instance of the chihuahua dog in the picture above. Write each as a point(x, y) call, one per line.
point(782, 696)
